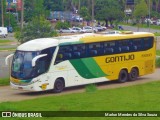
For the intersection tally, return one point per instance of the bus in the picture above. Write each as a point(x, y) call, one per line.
point(65, 61)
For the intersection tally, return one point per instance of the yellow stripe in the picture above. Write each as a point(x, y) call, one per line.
point(14, 80)
point(98, 38)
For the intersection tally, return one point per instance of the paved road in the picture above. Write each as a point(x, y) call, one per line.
point(9, 37)
point(8, 94)
point(4, 70)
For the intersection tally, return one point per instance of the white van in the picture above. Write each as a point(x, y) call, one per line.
point(3, 32)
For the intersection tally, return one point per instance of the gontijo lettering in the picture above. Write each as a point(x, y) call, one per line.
point(120, 58)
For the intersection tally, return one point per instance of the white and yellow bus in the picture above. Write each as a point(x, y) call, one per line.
point(56, 63)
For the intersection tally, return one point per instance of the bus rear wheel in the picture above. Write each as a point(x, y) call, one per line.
point(123, 76)
point(133, 74)
point(58, 86)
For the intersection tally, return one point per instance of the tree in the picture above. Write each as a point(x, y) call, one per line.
point(2, 5)
point(62, 25)
point(141, 10)
point(84, 12)
point(39, 27)
point(10, 20)
point(109, 10)
point(54, 5)
point(34, 8)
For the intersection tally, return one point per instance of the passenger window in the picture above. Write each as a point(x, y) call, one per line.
point(94, 49)
point(148, 43)
point(79, 51)
point(124, 46)
point(137, 44)
point(109, 47)
point(64, 53)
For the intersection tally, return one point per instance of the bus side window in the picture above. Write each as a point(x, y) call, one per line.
point(124, 46)
point(64, 53)
point(44, 62)
point(148, 43)
point(109, 47)
point(79, 51)
point(136, 44)
point(94, 49)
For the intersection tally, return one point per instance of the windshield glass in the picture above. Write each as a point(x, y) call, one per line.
point(22, 63)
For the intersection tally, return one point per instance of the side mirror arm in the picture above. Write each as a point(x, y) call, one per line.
point(6, 60)
point(36, 58)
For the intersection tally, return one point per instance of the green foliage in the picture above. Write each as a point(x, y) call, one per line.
point(60, 25)
point(106, 10)
point(4, 9)
point(34, 8)
point(141, 10)
point(10, 20)
point(155, 14)
point(54, 5)
point(84, 12)
point(39, 27)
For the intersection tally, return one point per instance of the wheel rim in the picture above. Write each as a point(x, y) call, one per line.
point(59, 85)
point(133, 74)
point(123, 76)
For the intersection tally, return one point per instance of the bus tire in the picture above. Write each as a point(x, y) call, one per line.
point(59, 86)
point(123, 76)
point(133, 74)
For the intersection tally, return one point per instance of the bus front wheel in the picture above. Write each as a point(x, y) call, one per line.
point(58, 86)
point(133, 74)
point(123, 76)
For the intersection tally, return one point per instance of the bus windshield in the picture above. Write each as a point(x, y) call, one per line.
point(22, 63)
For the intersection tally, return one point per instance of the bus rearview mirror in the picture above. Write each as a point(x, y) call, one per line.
point(36, 58)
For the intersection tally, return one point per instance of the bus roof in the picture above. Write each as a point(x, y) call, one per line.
point(43, 43)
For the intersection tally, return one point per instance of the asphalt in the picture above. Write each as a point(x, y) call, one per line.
point(4, 69)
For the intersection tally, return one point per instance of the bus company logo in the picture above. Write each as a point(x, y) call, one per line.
point(120, 58)
point(6, 114)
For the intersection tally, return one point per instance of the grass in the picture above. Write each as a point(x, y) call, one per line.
point(4, 81)
point(158, 62)
point(158, 59)
point(157, 34)
point(5, 41)
point(132, 98)
point(8, 49)
point(158, 52)
point(91, 88)
point(142, 25)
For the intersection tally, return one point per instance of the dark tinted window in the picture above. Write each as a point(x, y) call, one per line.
point(147, 43)
point(123, 46)
point(44, 62)
point(109, 47)
point(103, 48)
point(94, 49)
point(64, 53)
point(137, 44)
point(79, 51)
